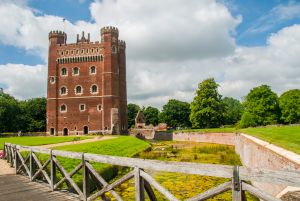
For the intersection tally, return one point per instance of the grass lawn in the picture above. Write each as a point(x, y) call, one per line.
point(287, 137)
point(209, 130)
point(121, 146)
point(40, 140)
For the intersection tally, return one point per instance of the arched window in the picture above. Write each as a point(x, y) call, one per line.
point(78, 90)
point(94, 89)
point(52, 79)
point(64, 72)
point(63, 91)
point(76, 71)
point(63, 108)
point(93, 70)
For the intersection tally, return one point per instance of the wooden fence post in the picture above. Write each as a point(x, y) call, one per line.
point(85, 183)
point(236, 185)
point(139, 185)
point(53, 171)
point(30, 165)
point(16, 159)
point(4, 151)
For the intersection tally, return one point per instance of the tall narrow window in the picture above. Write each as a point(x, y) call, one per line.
point(76, 71)
point(63, 108)
point(93, 70)
point(63, 91)
point(94, 89)
point(64, 72)
point(78, 90)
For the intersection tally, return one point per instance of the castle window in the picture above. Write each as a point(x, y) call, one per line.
point(64, 72)
point(94, 89)
point(113, 49)
point(63, 108)
point(82, 51)
point(63, 91)
point(52, 79)
point(76, 71)
point(82, 107)
point(92, 50)
point(97, 50)
point(78, 90)
point(77, 51)
point(67, 52)
point(62, 52)
point(93, 70)
point(87, 51)
point(99, 107)
point(72, 51)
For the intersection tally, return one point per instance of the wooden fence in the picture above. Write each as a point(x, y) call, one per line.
point(144, 183)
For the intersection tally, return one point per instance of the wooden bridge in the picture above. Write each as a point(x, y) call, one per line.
point(33, 168)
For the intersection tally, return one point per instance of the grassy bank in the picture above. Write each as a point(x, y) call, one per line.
point(287, 137)
point(40, 140)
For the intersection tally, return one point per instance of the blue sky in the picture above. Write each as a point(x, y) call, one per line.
point(226, 39)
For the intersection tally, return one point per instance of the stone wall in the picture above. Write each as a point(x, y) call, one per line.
point(218, 138)
point(254, 153)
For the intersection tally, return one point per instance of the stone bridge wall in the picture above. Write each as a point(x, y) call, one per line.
point(254, 153)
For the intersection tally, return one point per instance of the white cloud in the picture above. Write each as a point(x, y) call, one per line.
point(171, 47)
point(24, 81)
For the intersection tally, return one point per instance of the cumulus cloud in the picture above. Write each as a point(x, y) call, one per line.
point(171, 47)
point(24, 81)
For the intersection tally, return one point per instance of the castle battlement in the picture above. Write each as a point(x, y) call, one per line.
point(109, 29)
point(56, 33)
point(122, 43)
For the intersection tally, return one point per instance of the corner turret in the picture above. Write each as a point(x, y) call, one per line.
point(109, 33)
point(57, 37)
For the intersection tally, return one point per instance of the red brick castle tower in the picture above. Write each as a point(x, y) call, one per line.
point(86, 84)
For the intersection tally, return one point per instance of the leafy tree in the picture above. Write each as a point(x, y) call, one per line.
point(207, 108)
point(151, 115)
point(262, 103)
point(176, 114)
point(233, 111)
point(33, 118)
point(9, 113)
point(247, 120)
point(289, 103)
point(133, 109)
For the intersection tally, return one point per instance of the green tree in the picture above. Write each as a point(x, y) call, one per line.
point(9, 113)
point(289, 103)
point(132, 112)
point(247, 120)
point(233, 110)
point(176, 114)
point(207, 108)
point(151, 115)
point(33, 115)
point(262, 103)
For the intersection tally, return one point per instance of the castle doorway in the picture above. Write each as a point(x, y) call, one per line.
point(51, 131)
point(85, 130)
point(65, 131)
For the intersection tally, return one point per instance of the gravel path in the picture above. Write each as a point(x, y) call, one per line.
point(5, 168)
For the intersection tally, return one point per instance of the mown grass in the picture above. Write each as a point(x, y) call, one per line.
point(287, 137)
point(40, 140)
point(121, 146)
point(209, 130)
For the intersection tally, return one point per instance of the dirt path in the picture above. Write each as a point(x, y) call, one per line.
point(5, 168)
point(95, 139)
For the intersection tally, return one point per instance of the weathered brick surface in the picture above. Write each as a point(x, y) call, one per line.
point(108, 57)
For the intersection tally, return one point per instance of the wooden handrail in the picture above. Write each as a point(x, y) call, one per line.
point(237, 174)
